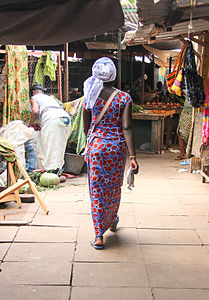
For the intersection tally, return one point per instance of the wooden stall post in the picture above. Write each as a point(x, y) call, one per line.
point(66, 74)
point(59, 77)
point(143, 72)
point(119, 59)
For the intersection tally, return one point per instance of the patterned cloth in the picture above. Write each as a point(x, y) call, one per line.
point(106, 157)
point(205, 132)
point(185, 122)
point(8, 153)
point(16, 102)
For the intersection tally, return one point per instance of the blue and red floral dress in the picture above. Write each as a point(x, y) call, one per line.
point(106, 157)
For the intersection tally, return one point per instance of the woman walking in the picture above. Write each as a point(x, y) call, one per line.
point(107, 145)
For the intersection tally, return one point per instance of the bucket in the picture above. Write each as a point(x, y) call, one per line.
point(73, 163)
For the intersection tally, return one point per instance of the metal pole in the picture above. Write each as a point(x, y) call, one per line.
point(119, 59)
point(66, 74)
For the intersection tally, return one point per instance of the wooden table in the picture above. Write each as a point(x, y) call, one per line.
point(157, 126)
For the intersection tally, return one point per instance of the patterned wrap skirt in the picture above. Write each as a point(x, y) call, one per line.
point(106, 163)
point(184, 126)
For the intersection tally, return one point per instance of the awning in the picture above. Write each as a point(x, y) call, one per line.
point(54, 22)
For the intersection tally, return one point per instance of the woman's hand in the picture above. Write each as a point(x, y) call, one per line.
point(134, 165)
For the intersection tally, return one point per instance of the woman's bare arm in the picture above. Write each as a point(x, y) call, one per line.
point(128, 133)
point(34, 112)
point(86, 120)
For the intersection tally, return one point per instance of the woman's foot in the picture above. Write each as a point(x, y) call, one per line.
point(180, 158)
point(114, 226)
point(98, 243)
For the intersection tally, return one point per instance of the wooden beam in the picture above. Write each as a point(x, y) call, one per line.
point(187, 3)
point(199, 42)
point(59, 77)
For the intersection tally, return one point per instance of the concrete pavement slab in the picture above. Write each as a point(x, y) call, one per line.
point(196, 209)
point(177, 266)
point(200, 222)
point(68, 207)
point(69, 220)
point(169, 237)
point(40, 252)
point(61, 196)
point(32, 272)
point(8, 233)
point(194, 199)
point(184, 294)
point(111, 253)
point(34, 292)
point(43, 234)
point(204, 235)
point(159, 209)
point(109, 274)
point(106, 293)
point(3, 249)
point(164, 222)
point(154, 198)
point(197, 190)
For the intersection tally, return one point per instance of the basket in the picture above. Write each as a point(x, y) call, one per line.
point(73, 163)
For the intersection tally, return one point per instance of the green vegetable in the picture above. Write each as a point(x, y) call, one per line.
point(137, 109)
point(25, 189)
point(48, 179)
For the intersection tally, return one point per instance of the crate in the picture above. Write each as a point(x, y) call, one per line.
point(73, 163)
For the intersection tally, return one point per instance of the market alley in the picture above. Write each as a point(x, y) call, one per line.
point(159, 252)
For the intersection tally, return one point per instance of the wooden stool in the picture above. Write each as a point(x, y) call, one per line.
point(11, 193)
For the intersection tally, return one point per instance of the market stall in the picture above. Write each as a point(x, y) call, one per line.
point(157, 119)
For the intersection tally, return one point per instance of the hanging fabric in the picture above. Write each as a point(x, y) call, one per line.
point(194, 82)
point(46, 66)
point(205, 132)
point(16, 101)
point(170, 78)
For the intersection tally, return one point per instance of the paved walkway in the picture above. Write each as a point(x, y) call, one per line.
point(160, 251)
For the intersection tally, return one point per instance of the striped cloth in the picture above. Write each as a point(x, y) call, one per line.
point(205, 132)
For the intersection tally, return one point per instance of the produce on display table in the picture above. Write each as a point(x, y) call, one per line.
point(137, 109)
point(161, 105)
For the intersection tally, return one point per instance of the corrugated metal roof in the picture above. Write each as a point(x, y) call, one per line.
point(130, 12)
point(177, 30)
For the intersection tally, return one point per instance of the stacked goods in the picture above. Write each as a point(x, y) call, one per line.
point(169, 105)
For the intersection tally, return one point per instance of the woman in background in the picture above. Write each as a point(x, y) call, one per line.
point(55, 130)
point(107, 146)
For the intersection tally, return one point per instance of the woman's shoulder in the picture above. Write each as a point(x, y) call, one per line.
point(124, 96)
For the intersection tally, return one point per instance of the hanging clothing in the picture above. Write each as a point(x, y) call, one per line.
point(46, 66)
point(106, 157)
point(74, 108)
point(55, 129)
point(205, 132)
point(51, 145)
point(16, 101)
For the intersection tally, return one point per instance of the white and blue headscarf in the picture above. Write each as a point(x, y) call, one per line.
point(103, 70)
